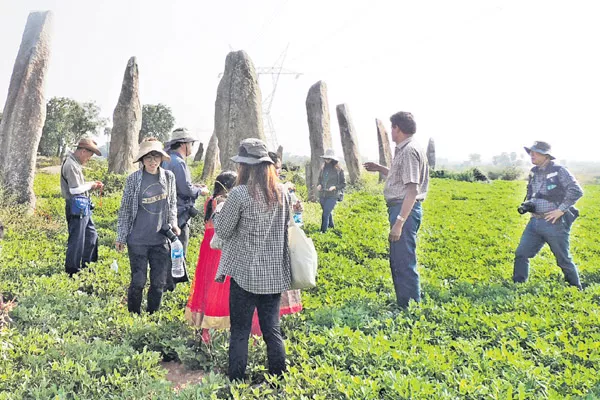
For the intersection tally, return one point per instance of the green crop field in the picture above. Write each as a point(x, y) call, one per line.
point(475, 335)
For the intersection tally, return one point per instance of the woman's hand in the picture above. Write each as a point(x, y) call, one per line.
point(176, 230)
point(319, 187)
point(331, 189)
point(119, 246)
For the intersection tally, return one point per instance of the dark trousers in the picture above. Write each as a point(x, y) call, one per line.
point(403, 255)
point(241, 309)
point(327, 204)
point(82, 245)
point(159, 258)
point(184, 238)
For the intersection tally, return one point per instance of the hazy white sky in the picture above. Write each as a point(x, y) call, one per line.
point(479, 76)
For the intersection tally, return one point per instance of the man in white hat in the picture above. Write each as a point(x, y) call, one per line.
point(551, 195)
point(179, 148)
point(82, 245)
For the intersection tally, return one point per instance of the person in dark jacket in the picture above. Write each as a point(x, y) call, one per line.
point(180, 147)
point(331, 186)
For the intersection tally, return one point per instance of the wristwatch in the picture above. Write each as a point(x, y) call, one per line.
point(400, 218)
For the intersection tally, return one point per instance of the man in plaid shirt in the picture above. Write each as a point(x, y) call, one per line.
point(551, 193)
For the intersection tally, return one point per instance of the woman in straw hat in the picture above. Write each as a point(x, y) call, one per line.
point(331, 183)
point(253, 225)
point(148, 205)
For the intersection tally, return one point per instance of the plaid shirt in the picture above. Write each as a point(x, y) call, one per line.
point(538, 179)
point(255, 251)
point(130, 201)
point(408, 166)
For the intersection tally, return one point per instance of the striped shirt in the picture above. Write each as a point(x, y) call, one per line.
point(408, 166)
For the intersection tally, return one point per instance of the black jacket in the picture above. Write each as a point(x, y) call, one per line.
point(331, 176)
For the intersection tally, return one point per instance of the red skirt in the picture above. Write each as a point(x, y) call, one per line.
point(208, 304)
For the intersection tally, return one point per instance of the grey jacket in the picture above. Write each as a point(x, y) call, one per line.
point(130, 201)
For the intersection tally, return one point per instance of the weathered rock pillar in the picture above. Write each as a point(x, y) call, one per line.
point(238, 108)
point(385, 151)
point(317, 112)
point(25, 110)
point(211, 161)
point(127, 122)
point(349, 142)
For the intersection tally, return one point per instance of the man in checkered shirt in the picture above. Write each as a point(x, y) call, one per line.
point(406, 185)
point(552, 192)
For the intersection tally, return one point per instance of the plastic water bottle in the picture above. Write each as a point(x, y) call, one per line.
point(177, 269)
point(114, 266)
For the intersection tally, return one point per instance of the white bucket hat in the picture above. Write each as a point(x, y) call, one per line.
point(330, 154)
point(148, 146)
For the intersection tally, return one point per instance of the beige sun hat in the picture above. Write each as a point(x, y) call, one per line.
point(89, 144)
point(148, 146)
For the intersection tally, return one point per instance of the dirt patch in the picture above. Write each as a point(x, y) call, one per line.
point(54, 169)
point(181, 377)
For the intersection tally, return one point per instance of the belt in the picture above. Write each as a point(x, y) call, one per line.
point(392, 203)
point(538, 216)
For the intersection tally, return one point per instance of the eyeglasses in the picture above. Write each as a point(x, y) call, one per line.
point(153, 157)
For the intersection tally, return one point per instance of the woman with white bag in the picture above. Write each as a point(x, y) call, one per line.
point(253, 224)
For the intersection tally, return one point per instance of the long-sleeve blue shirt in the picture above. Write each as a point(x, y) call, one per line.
point(186, 192)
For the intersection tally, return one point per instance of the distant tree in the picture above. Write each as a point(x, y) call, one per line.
point(67, 121)
point(502, 160)
point(475, 158)
point(157, 121)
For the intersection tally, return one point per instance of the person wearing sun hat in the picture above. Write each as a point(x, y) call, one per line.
point(179, 148)
point(330, 185)
point(552, 192)
point(82, 244)
point(253, 226)
point(149, 203)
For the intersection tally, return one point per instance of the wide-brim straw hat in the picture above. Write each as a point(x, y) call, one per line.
point(540, 147)
point(180, 135)
point(330, 154)
point(252, 151)
point(89, 144)
point(148, 146)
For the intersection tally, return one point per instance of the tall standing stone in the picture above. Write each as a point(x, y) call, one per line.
point(127, 122)
point(317, 112)
point(349, 142)
point(238, 109)
point(431, 153)
point(385, 151)
point(200, 152)
point(280, 153)
point(25, 110)
point(211, 161)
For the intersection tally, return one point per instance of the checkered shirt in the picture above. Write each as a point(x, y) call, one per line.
point(255, 251)
point(538, 178)
point(408, 166)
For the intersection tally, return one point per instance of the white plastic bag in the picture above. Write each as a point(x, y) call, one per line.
point(303, 257)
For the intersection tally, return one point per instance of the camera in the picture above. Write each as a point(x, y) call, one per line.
point(192, 211)
point(168, 232)
point(525, 207)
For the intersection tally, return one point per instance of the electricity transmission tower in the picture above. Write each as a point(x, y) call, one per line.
point(275, 72)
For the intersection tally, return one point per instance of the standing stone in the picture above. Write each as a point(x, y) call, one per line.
point(349, 142)
point(200, 152)
point(25, 110)
point(385, 151)
point(211, 161)
point(238, 109)
point(317, 112)
point(431, 153)
point(280, 153)
point(127, 122)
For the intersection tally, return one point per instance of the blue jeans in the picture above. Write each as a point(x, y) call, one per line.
point(327, 204)
point(536, 234)
point(403, 255)
point(82, 244)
